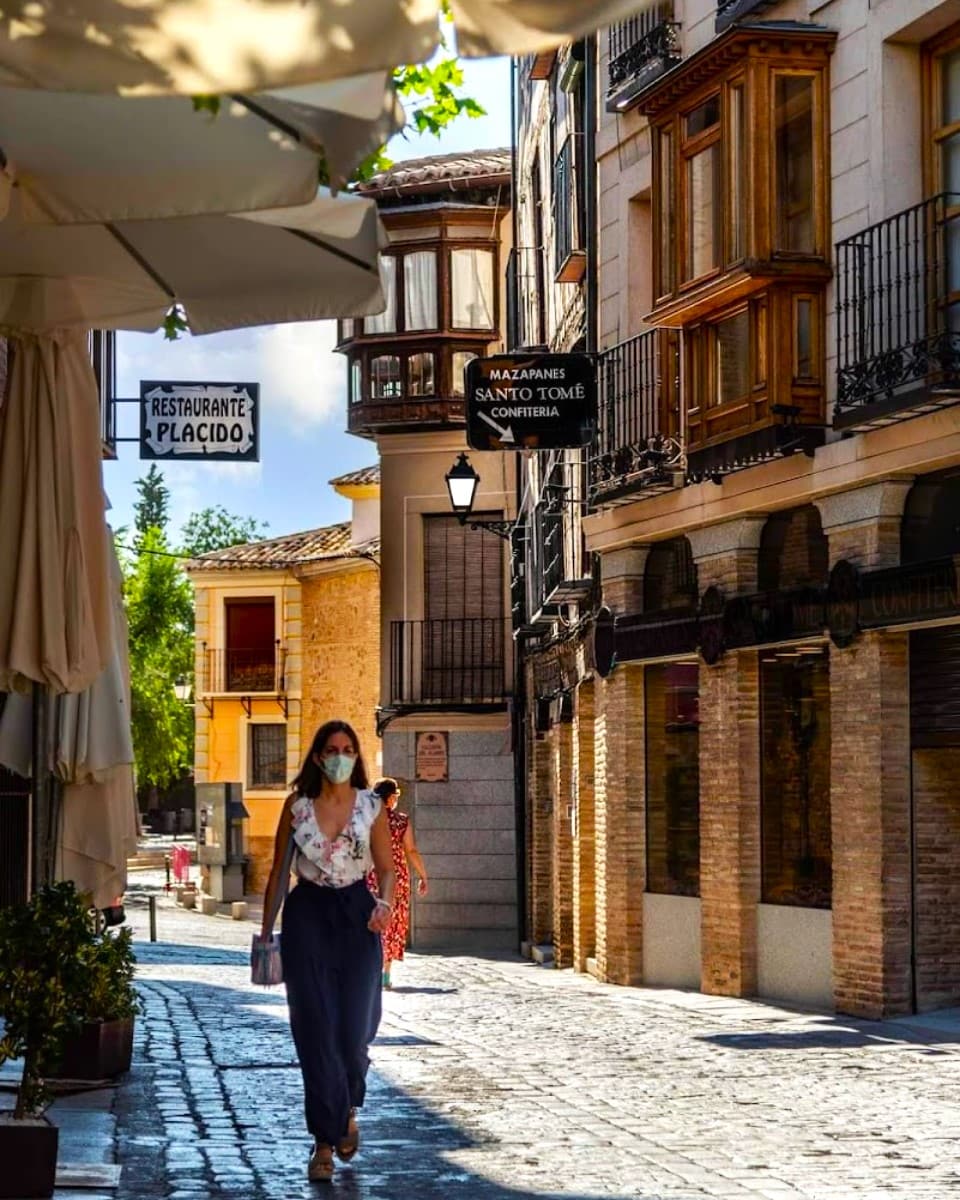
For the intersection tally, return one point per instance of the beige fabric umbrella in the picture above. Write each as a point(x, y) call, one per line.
point(307, 263)
point(191, 46)
point(56, 623)
point(80, 158)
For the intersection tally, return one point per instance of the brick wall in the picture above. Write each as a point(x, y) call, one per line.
point(341, 655)
point(620, 859)
point(584, 843)
point(937, 889)
point(562, 856)
point(870, 798)
point(730, 823)
point(540, 845)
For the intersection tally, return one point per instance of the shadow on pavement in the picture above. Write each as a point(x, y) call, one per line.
point(187, 954)
point(409, 1149)
point(838, 1034)
point(400, 990)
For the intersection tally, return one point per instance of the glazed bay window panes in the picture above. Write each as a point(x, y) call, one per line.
point(356, 381)
point(703, 166)
point(267, 757)
point(731, 359)
point(947, 133)
point(795, 777)
point(385, 379)
point(420, 290)
point(420, 375)
point(471, 288)
point(672, 715)
point(667, 217)
point(804, 365)
point(457, 367)
point(738, 169)
point(793, 126)
point(385, 322)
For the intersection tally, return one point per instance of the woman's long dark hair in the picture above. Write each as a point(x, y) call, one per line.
point(310, 780)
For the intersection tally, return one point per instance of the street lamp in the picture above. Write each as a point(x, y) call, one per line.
point(182, 689)
point(462, 483)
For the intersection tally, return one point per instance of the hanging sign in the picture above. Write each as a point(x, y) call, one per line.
point(432, 757)
point(200, 422)
point(531, 401)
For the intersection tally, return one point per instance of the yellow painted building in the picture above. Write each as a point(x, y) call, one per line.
point(287, 637)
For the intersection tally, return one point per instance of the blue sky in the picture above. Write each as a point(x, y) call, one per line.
point(302, 383)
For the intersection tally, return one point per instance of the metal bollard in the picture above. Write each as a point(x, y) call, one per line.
point(166, 867)
point(153, 918)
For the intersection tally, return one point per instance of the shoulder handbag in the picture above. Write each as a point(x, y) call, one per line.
point(266, 967)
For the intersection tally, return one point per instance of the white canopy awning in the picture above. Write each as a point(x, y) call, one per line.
point(308, 263)
point(224, 46)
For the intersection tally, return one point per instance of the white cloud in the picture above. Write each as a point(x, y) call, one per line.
point(303, 383)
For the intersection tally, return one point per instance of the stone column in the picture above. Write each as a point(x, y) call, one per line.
point(870, 773)
point(562, 864)
point(618, 789)
point(584, 844)
point(726, 557)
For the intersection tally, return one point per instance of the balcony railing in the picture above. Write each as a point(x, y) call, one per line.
point(730, 11)
point(641, 49)
point(526, 318)
point(898, 315)
point(448, 662)
point(569, 211)
point(638, 442)
point(260, 669)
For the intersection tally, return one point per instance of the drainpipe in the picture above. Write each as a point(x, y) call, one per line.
point(519, 713)
point(590, 117)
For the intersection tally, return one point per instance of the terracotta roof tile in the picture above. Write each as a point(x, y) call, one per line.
point(439, 172)
point(364, 475)
point(313, 545)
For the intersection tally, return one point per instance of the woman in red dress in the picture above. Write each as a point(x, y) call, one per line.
point(394, 937)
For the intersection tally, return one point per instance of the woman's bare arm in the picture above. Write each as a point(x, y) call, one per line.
point(279, 851)
point(383, 856)
point(410, 846)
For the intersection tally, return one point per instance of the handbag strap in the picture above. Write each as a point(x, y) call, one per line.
point(283, 884)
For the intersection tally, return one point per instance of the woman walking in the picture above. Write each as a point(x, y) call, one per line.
point(330, 946)
point(404, 847)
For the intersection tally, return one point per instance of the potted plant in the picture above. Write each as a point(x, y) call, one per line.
point(45, 956)
point(102, 1046)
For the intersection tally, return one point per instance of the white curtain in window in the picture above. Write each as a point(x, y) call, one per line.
point(385, 322)
point(420, 290)
point(471, 284)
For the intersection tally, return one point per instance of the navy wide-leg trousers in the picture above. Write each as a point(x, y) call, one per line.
point(331, 967)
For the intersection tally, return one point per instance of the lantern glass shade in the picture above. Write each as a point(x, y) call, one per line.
point(182, 689)
point(462, 481)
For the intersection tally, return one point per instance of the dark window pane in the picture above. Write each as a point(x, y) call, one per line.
point(795, 777)
point(794, 156)
point(420, 375)
point(732, 364)
point(672, 713)
point(703, 228)
point(268, 756)
point(385, 377)
point(804, 334)
point(703, 117)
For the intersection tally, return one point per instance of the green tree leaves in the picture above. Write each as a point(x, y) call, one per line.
point(216, 529)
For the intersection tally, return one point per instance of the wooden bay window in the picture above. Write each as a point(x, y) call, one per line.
point(741, 218)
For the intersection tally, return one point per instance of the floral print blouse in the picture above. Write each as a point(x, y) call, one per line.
point(342, 861)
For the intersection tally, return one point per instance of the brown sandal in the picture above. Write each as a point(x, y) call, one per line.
point(320, 1169)
point(350, 1144)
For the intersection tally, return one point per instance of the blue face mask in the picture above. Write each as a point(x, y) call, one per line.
point(338, 767)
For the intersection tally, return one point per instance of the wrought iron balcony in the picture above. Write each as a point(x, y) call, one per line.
point(641, 49)
point(638, 445)
point(898, 316)
point(731, 11)
point(445, 663)
point(569, 211)
point(526, 297)
point(244, 671)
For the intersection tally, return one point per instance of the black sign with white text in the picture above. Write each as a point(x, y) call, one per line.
point(200, 422)
point(531, 401)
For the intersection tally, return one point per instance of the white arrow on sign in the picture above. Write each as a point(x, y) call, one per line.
point(505, 434)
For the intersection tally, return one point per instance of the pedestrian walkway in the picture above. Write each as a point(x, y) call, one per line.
point(498, 1079)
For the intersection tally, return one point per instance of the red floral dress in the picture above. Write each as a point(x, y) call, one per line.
point(394, 937)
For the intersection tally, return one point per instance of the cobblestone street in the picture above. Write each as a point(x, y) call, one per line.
point(495, 1079)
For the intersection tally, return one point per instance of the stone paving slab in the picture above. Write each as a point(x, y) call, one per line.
point(495, 1079)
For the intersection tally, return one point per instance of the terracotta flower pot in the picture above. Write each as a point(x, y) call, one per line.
point(99, 1050)
point(28, 1152)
